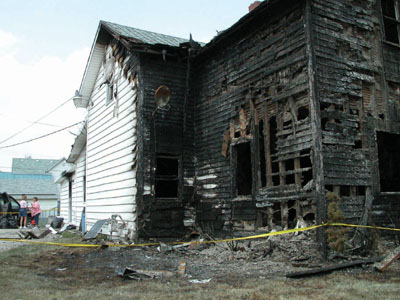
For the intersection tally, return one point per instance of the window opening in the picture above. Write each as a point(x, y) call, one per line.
point(262, 154)
point(292, 217)
point(289, 166)
point(276, 217)
point(389, 161)
point(302, 113)
point(305, 162)
point(361, 191)
point(391, 20)
point(274, 151)
point(166, 176)
point(244, 178)
point(345, 191)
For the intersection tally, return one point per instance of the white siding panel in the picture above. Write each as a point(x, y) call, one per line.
point(103, 158)
point(112, 194)
point(111, 181)
point(131, 182)
point(64, 199)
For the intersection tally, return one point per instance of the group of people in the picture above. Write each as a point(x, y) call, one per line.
point(23, 211)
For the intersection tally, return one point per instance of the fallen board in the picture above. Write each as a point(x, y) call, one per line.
point(389, 259)
point(333, 268)
point(94, 231)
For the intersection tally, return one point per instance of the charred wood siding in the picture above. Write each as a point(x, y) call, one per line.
point(354, 66)
point(258, 73)
point(163, 133)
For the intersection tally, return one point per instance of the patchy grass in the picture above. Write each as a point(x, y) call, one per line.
point(50, 272)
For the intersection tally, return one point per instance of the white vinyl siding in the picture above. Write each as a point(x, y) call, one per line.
point(77, 189)
point(111, 139)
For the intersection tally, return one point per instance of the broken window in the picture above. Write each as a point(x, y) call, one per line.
point(244, 178)
point(166, 176)
point(389, 161)
point(391, 20)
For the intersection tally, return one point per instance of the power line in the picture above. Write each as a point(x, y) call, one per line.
point(40, 137)
point(25, 128)
point(32, 122)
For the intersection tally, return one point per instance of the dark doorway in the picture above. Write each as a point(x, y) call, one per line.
point(166, 176)
point(244, 178)
point(389, 161)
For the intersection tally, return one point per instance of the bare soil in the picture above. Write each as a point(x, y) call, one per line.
point(225, 262)
point(247, 270)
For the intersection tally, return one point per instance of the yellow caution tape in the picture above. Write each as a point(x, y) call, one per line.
point(282, 232)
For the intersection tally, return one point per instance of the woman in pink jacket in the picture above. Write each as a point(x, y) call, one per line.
point(35, 210)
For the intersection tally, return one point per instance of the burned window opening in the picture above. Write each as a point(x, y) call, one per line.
point(273, 149)
point(292, 216)
point(329, 188)
point(309, 217)
point(324, 121)
point(244, 178)
point(391, 18)
point(305, 162)
point(358, 144)
point(289, 166)
point(166, 176)
point(263, 171)
point(302, 113)
point(389, 161)
point(345, 191)
point(361, 191)
point(276, 216)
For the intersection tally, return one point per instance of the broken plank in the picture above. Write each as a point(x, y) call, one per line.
point(388, 260)
point(333, 268)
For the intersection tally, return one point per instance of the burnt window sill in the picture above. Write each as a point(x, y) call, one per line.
point(243, 198)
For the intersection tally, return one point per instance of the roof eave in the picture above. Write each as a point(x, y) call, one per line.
point(79, 144)
point(92, 67)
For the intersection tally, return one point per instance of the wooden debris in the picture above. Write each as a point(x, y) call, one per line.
point(388, 260)
point(333, 268)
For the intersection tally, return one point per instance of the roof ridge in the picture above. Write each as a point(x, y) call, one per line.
point(143, 30)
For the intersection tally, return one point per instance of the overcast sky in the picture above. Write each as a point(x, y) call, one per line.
point(44, 47)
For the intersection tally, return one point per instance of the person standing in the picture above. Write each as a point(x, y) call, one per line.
point(35, 210)
point(22, 212)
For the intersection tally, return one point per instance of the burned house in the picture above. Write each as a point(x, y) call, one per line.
point(250, 130)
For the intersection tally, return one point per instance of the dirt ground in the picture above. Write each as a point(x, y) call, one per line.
point(228, 264)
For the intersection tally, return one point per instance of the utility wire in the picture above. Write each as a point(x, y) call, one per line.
point(32, 122)
point(40, 137)
point(25, 128)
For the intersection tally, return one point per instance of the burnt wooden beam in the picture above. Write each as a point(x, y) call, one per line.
point(318, 271)
point(318, 175)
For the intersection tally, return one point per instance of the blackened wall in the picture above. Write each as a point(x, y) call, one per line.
point(164, 132)
point(255, 72)
point(357, 78)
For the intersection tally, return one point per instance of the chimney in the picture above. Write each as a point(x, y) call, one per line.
point(254, 5)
